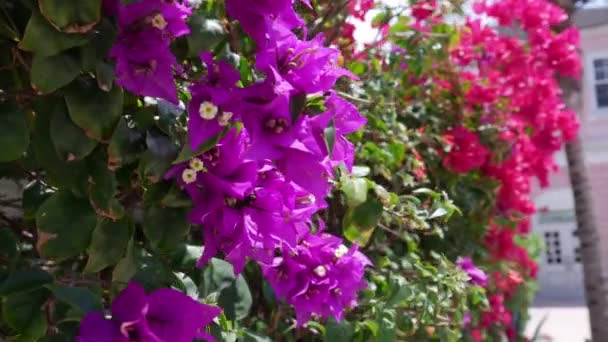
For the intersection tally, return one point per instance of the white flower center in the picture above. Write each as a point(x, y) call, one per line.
point(189, 176)
point(159, 22)
point(224, 118)
point(341, 251)
point(321, 271)
point(208, 110)
point(197, 165)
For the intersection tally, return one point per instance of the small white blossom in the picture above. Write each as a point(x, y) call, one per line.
point(341, 251)
point(208, 110)
point(189, 176)
point(321, 271)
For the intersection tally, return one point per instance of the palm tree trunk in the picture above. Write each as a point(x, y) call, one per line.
point(596, 293)
point(594, 280)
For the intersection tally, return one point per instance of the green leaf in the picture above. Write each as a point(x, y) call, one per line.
point(94, 110)
point(69, 175)
point(187, 153)
point(68, 223)
point(355, 190)
point(126, 267)
point(15, 136)
point(24, 280)
point(21, 309)
point(125, 145)
point(342, 331)
point(35, 329)
point(69, 140)
point(234, 294)
point(8, 245)
point(108, 244)
point(81, 299)
point(439, 212)
point(71, 16)
point(49, 73)
point(361, 221)
point(102, 189)
point(329, 134)
point(297, 103)
point(94, 53)
point(165, 227)
point(41, 38)
point(104, 74)
point(205, 34)
point(252, 337)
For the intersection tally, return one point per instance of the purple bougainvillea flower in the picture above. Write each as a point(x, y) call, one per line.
point(269, 118)
point(314, 177)
point(143, 68)
point(257, 20)
point(167, 17)
point(221, 169)
point(308, 66)
point(214, 104)
point(321, 276)
point(476, 275)
point(165, 315)
point(144, 63)
point(255, 225)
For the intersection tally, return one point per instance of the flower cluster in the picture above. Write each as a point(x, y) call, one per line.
point(513, 82)
point(466, 153)
point(476, 275)
point(144, 63)
point(163, 315)
point(319, 277)
point(256, 190)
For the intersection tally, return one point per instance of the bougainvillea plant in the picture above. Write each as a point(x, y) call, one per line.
point(236, 170)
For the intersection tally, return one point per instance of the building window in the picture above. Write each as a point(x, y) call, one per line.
point(556, 216)
point(600, 70)
point(553, 248)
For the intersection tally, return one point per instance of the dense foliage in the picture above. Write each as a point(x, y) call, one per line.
point(182, 170)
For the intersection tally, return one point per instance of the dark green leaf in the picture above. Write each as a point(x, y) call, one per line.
point(15, 136)
point(67, 222)
point(235, 296)
point(297, 103)
point(21, 309)
point(187, 153)
point(102, 189)
point(71, 16)
point(125, 145)
point(41, 38)
point(205, 34)
point(108, 244)
point(69, 140)
point(8, 244)
point(81, 299)
point(94, 110)
point(49, 73)
point(24, 280)
point(165, 227)
point(342, 331)
point(71, 175)
point(104, 74)
point(35, 329)
point(126, 267)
